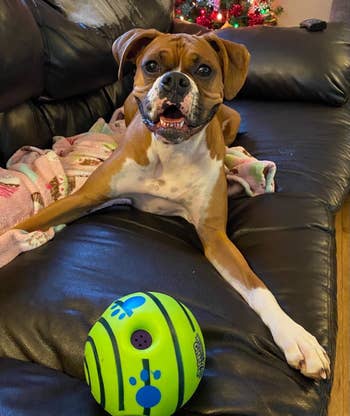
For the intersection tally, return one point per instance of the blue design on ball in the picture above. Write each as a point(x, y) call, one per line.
point(144, 375)
point(147, 396)
point(133, 381)
point(127, 307)
point(157, 375)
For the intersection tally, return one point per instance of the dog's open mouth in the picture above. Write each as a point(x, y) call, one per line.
point(172, 118)
point(170, 124)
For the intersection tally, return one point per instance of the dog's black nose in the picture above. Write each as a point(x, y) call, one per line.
point(176, 83)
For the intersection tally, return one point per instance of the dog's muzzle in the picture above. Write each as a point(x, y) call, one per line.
point(174, 86)
point(172, 109)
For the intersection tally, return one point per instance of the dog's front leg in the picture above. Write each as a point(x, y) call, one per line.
point(101, 186)
point(93, 193)
point(301, 349)
point(63, 211)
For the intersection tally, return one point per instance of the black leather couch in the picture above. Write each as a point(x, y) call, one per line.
point(57, 77)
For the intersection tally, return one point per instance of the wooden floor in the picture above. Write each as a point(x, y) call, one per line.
point(340, 396)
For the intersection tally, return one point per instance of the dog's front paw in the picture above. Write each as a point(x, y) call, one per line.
point(301, 349)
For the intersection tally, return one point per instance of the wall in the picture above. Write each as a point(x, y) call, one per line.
point(297, 10)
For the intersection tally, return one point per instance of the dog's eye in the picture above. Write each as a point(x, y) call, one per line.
point(151, 67)
point(204, 70)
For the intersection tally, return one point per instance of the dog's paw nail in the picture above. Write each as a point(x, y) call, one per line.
point(323, 374)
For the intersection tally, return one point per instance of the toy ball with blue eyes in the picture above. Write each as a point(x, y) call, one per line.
point(144, 356)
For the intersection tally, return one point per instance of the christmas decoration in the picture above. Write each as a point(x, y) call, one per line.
point(215, 14)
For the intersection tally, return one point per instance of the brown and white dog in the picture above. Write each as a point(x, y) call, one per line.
point(171, 162)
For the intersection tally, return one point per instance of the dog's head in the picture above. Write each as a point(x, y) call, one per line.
point(180, 79)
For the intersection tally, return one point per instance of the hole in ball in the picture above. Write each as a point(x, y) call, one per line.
point(141, 339)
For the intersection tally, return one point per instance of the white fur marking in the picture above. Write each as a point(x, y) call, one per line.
point(189, 103)
point(301, 349)
point(178, 181)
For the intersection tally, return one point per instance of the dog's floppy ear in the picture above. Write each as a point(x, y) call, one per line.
point(234, 62)
point(128, 46)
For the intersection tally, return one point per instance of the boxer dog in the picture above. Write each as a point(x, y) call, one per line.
point(170, 162)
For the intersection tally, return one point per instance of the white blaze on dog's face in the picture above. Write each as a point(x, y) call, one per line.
point(167, 105)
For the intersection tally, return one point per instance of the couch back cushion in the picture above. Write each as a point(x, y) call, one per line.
point(293, 64)
point(78, 37)
point(62, 48)
point(21, 74)
point(56, 64)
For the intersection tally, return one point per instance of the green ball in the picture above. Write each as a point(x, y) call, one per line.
point(144, 356)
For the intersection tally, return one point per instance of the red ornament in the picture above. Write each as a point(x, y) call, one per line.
point(204, 20)
point(214, 15)
point(236, 10)
point(255, 18)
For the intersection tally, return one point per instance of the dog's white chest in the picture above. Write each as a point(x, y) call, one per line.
point(179, 179)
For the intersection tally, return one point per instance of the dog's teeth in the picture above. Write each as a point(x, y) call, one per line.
point(172, 124)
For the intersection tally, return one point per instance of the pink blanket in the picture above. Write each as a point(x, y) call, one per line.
point(35, 178)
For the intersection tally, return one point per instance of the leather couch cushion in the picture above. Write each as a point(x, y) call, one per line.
point(50, 297)
point(29, 389)
point(54, 57)
point(35, 123)
point(78, 57)
point(293, 64)
point(22, 55)
point(308, 142)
